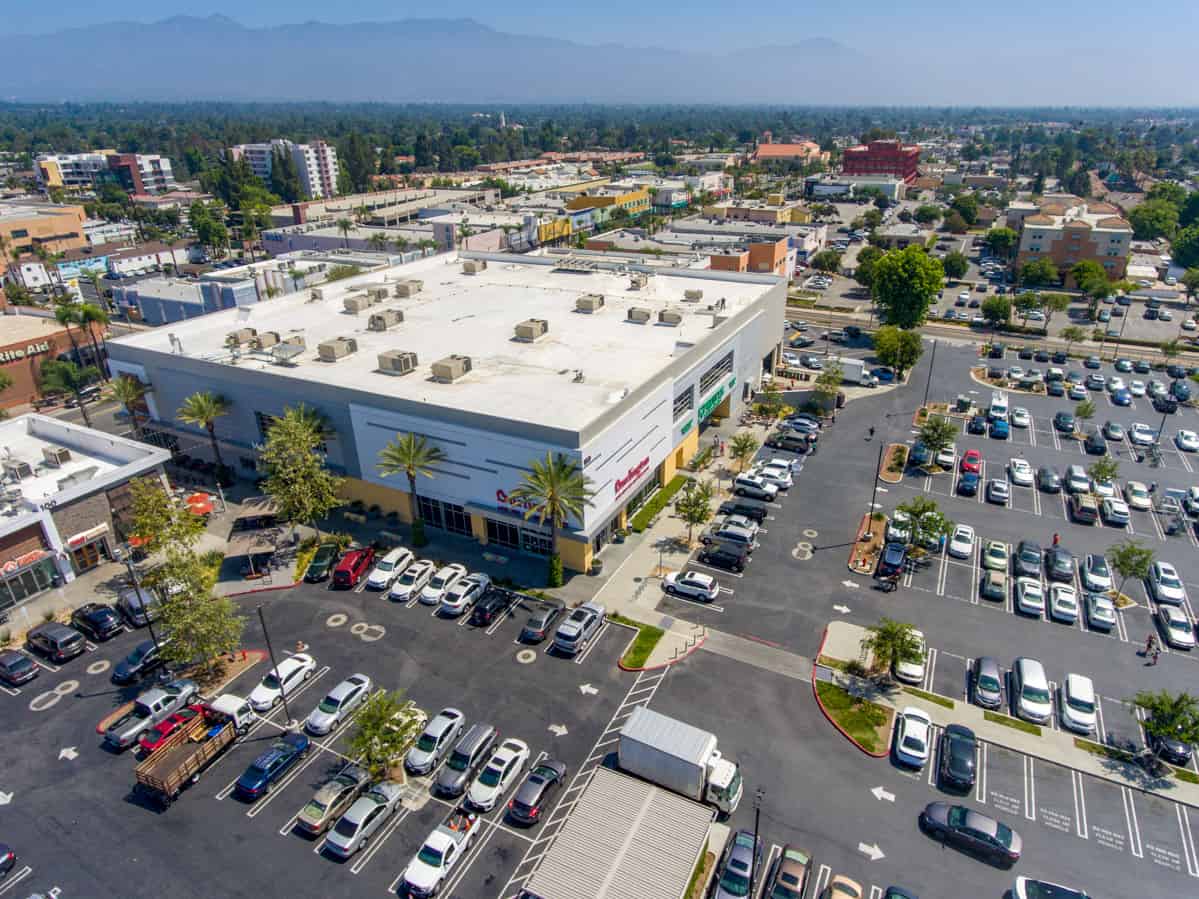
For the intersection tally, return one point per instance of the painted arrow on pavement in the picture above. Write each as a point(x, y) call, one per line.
point(558, 730)
point(871, 850)
point(70, 753)
point(880, 794)
point(587, 688)
point(5, 798)
point(844, 610)
point(851, 585)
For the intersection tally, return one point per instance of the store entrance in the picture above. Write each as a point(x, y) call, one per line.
point(89, 555)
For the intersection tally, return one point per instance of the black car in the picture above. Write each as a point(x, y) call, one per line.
point(1027, 560)
point(17, 668)
point(540, 624)
point(1059, 565)
point(8, 859)
point(958, 747)
point(1095, 444)
point(487, 608)
point(145, 658)
point(752, 511)
point(1049, 480)
point(1064, 421)
point(724, 557)
point(1041, 356)
point(977, 425)
point(322, 563)
point(895, 556)
point(1176, 752)
point(1166, 405)
point(532, 797)
point(1174, 370)
point(997, 350)
point(1055, 388)
point(1093, 362)
point(1025, 353)
point(1141, 367)
point(1180, 390)
point(1060, 358)
point(98, 621)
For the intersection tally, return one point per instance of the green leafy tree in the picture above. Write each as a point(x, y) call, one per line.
point(863, 271)
point(694, 505)
point(202, 409)
point(742, 448)
point(928, 524)
point(1052, 303)
point(1104, 470)
point(828, 384)
point(1173, 716)
point(1026, 303)
point(1039, 273)
point(304, 490)
point(897, 348)
point(62, 376)
point(1002, 242)
point(1130, 559)
point(384, 729)
point(769, 401)
point(966, 205)
point(1190, 280)
point(927, 214)
point(955, 223)
point(410, 455)
point(1167, 192)
point(1185, 247)
point(938, 433)
point(892, 643)
point(997, 311)
point(955, 265)
point(201, 626)
point(158, 520)
point(1084, 412)
point(66, 313)
point(1171, 348)
point(1189, 213)
point(904, 285)
point(827, 261)
point(1072, 334)
point(555, 490)
point(1153, 219)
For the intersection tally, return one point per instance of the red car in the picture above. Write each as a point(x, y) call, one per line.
point(153, 738)
point(972, 461)
point(353, 567)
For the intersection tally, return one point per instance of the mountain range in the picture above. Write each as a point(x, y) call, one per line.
point(461, 60)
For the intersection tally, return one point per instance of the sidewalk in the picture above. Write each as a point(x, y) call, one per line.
point(843, 643)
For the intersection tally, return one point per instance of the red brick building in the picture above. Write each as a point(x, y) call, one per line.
point(882, 157)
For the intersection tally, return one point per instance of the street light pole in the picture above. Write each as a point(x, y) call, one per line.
point(274, 665)
point(874, 494)
point(931, 362)
point(127, 556)
point(759, 795)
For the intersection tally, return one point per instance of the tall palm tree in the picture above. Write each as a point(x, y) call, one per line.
point(555, 489)
point(66, 314)
point(410, 455)
point(128, 391)
point(345, 226)
point(378, 242)
point(401, 244)
point(204, 408)
point(67, 377)
point(91, 314)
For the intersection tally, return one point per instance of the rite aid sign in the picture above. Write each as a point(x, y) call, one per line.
point(33, 349)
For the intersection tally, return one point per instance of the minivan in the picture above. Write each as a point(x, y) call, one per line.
point(1030, 691)
point(998, 410)
point(56, 642)
point(1077, 479)
point(1084, 509)
point(464, 762)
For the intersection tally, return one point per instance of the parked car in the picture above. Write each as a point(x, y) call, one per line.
point(532, 797)
point(1063, 603)
point(1174, 750)
point(961, 542)
point(364, 818)
point(580, 626)
point(388, 568)
point(971, 461)
point(1165, 585)
point(445, 578)
point(740, 868)
point(1076, 702)
point(331, 800)
point(465, 593)
point(97, 621)
point(913, 672)
point(968, 483)
point(56, 642)
point(540, 623)
point(488, 608)
point(145, 658)
point(435, 742)
point(322, 562)
point(748, 485)
point(692, 584)
point(1064, 422)
point(290, 673)
point(1137, 495)
point(753, 511)
point(500, 772)
point(1176, 628)
point(1100, 611)
point(892, 560)
point(987, 683)
point(271, 765)
point(1049, 480)
point(1027, 561)
point(151, 707)
point(338, 705)
point(411, 581)
point(724, 557)
point(152, 739)
point(1114, 512)
point(468, 756)
point(1030, 596)
point(956, 768)
point(16, 668)
point(913, 732)
point(972, 832)
point(1059, 564)
point(353, 567)
point(1020, 472)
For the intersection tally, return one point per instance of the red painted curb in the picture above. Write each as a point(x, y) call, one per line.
point(260, 590)
point(824, 711)
point(862, 525)
point(698, 644)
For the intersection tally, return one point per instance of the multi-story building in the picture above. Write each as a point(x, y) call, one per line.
point(137, 173)
point(770, 256)
point(635, 201)
point(1069, 230)
point(316, 163)
point(25, 226)
point(140, 173)
point(497, 361)
point(72, 171)
point(27, 341)
point(882, 157)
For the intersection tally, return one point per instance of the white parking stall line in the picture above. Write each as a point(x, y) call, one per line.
point(413, 601)
point(975, 568)
point(1121, 626)
point(1057, 443)
point(14, 879)
point(581, 657)
point(1130, 820)
point(775, 852)
point(508, 612)
point(1188, 840)
point(876, 892)
point(1185, 462)
point(1080, 805)
point(1030, 789)
point(376, 842)
point(709, 606)
point(822, 878)
point(980, 782)
point(361, 586)
point(1032, 431)
point(1101, 728)
point(11, 691)
point(982, 480)
point(41, 663)
point(930, 666)
point(933, 742)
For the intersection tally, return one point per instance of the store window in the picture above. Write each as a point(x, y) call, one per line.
point(716, 372)
point(457, 521)
point(536, 542)
point(503, 534)
point(430, 511)
point(637, 500)
point(684, 403)
point(27, 582)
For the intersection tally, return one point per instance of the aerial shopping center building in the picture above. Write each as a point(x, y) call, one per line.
point(497, 359)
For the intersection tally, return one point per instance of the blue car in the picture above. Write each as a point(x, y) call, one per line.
point(271, 766)
point(1122, 397)
point(968, 483)
point(1000, 429)
point(1181, 391)
point(884, 375)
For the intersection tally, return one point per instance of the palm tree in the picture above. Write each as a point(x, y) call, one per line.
point(204, 408)
point(893, 642)
point(410, 455)
point(67, 377)
point(93, 314)
point(426, 245)
point(345, 226)
point(66, 314)
point(742, 448)
point(556, 489)
point(401, 243)
point(128, 391)
point(378, 242)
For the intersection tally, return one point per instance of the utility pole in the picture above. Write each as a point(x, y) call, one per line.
point(759, 795)
point(274, 665)
point(126, 555)
point(932, 361)
point(878, 468)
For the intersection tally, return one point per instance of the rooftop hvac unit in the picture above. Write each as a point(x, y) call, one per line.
point(240, 336)
point(638, 314)
point(297, 338)
point(532, 328)
point(451, 368)
point(409, 288)
point(474, 266)
point(384, 319)
point(638, 280)
point(316, 294)
point(56, 455)
point(377, 294)
point(16, 470)
point(265, 340)
point(667, 317)
point(284, 353)
point(397, 362)
point(354, 305)
point(337, 348)
point(590, 302)
point(693, 294)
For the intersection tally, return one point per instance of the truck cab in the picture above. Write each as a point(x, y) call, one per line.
point(724, 783)
point(236, 709)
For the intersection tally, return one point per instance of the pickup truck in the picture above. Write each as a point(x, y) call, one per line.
point(441, 852)
point(153, 706)
point(186, 753)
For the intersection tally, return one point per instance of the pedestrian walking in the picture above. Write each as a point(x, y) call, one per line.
point(1153, 658)
point(870, 433)
point(1057, 538)
point(1150, 643)
point(1153, 487)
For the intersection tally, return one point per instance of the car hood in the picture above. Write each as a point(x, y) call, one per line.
point(377, 577)
point(262, 695)
point(480, 794)
point(450, 780)
point(418, 758)
point(250, 781)
point(124, 670)
point(320, 720)
point(420, 875)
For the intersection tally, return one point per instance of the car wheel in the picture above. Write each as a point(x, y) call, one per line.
point(308, 674)
point(276, 700)
point(671, 590)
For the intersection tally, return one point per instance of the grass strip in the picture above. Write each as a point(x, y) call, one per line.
point(1186, 774)
point(1109, 752)
point(657, 503)
point(1014, 723)
point(857, 717)
point(694, 885)
point(931, 697)
point(830, 662)
point(643, 644)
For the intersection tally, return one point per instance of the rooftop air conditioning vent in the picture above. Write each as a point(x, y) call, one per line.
point(296, 338)
point(265, 340)
point(693, 294)
point(531, 329)
point(284, 353)
point(397, 362)
point(56, 455)
point(384, 319)
point(316, 294)
point(17, 470)
point(337, 348)
point(377, 294)
point(356, 304)
point(669, 317)
point(240, 336)
point(409, 288)
point(451, 368)
point(474, 266)
point(590, 302)
point(639, 315)
point(638, 280)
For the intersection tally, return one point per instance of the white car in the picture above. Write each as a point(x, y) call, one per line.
point(754, 487)
point(778, 475)
point(1136, 388)
point(1176, 627)
point(1165, 584)
point(1030, 596)
point(899, 528)
point(1137, 496)
point(913, 672)
point(694, 584)
point(945, 457)
point(1140, 434)
point(1187, 441)
point(961, 543)
point(1115, 383)
point(1103, 489)
point(1020, 417)
point(338, 705)
point(791, 359)
point(292, 671)
point(912, 737)
point(465, 593)
point(388, 568)
point(1076, 700)
point(445, 578)
point(1096, 574)
point(1156, 388)
point(1190, 325)
point(500, 772)
point(1020, 472)
point(412, 581)
point(1063, 603)
point(1015, 372)
point(964, 295)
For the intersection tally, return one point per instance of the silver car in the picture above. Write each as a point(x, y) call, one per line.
point(336, 707)
point(582, 624)
point(988, 683)
point(364, 818)
point(432, 746)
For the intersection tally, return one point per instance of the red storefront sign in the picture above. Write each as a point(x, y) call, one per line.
point(21, 561)
point(631, 477)
point(510, 504)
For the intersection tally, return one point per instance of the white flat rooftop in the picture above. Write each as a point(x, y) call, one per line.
point(475, 315)
point(19, 328)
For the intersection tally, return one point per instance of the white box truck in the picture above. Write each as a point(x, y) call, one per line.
point(679, 757)
point(854, 371)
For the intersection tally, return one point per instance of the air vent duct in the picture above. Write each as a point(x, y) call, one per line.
point(397, 362)
point(56, 455)
point(409, 288)
point(266, 340)
point(384, 319)
point(639, 315)
point(669, 317)
point(451, 368)
point(474, 266)
point(590, 302)
point(354, 305)
point(638, 280)
point(693, 294)
point(240, 336)
point(531, 329)
point(337, 348)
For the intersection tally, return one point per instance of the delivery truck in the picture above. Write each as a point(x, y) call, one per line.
point(679, 757)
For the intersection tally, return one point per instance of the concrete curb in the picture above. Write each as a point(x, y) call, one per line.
point(863, 526)
point(700, 642)
point(824, 711)
point(260, 590)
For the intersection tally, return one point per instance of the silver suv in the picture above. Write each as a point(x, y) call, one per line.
point(579, 627)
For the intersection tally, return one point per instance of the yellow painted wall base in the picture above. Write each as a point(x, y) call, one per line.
point(680, 455)
point(478, 528)
point(388, 499)
point(576, 554)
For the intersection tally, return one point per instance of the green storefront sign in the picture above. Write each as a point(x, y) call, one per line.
point(687, 427)
point(710, 403)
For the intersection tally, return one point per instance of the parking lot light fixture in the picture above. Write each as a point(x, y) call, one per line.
point(275, 667)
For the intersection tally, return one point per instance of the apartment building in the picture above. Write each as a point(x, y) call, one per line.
point(137, 173)
point(1069, 230)
point(316, 163)
point(882, 157)
point(141, 173)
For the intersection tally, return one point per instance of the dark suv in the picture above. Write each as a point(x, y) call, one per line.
point(752, 511)
point(98, 621)
point(57, 642)
point(724, 557)
point(146, 657)
point(16, 668)
point(487, 608)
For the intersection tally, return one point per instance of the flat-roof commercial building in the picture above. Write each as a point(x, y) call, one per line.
point(497, 359)
point(882, 157)
point(25, 225)
point(64, 500)
point(1068, 230)
point(27, 341)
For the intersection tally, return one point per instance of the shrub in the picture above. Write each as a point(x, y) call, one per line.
point(554, 576)
point(5, 636)
point(418, 533)
point(701, 459)
point(48, 615)
point(660, 500)
point(856, 668)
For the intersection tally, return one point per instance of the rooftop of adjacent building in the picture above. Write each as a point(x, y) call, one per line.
point(23, 208)
point(1066, 211)
point(17, 328)
point(475, 315)
point(411, 231)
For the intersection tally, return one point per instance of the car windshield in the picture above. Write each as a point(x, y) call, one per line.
point(313, 809)
point(1179, 624)
point(490, 776)
point(409, 576)
point(346, 828)
point(1099, 567)
point(1035, 694)
point(458, 761)
point(1003, 834)
point(1029, 555)
point(385, 565)
point(135, 657)
point(734, 882)
point(987, 682)
point(426, 743)
point(271, 682)
point(430, 856)
point(1168, 579)
point(784, 890)
point(439, 581)
point(1080, 705)
point(914, 743)
point(329, 705)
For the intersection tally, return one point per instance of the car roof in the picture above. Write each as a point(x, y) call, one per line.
point(350, 683)
point(1079, 685)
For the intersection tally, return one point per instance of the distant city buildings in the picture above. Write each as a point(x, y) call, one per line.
point(882, 157)
point(136, 173)
point(316, 163)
